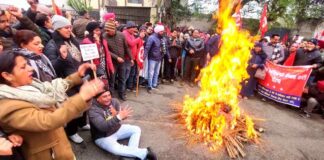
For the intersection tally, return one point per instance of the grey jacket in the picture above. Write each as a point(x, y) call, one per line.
point(274, 52)
point(102, 123)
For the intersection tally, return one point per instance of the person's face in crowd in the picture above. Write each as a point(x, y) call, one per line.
point(22, 73)
point(275, 40)
point(303, 44)
point(195, 34)
point(116, 23)
point(111, 32)
point(310, 46)
point(87, 15)
point(293, 48)
point(4, 23)
point(174, 34)
point(31, 2)
point(149, 30)
point(104, 99)
point(65, 31)
point(257, 49)
point(132, 30)
point(35, 45)
point(97, 32)
point(48, 23)
point(161, 33)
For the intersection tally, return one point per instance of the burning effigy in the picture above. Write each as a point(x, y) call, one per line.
point(214, 114)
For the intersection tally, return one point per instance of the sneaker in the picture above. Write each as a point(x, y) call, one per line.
point(155, 88)
point(150, 154)
point(76, 138)
point(86, 127)
point(305, 115)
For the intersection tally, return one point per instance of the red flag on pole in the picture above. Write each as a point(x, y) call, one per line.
point(237, 15)
point(263, 21)
point(56, 9)
point(284, 39)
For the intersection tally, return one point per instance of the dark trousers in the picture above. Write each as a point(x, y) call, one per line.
point(72, 127)
point(132, 79)
point(121, 75)
point(169, 68)
point(192, 67)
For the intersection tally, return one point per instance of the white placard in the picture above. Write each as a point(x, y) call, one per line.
point(89, 51)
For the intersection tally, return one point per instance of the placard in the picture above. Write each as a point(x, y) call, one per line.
point(89, 51)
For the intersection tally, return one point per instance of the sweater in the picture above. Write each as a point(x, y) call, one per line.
point(118, 46)
point(102, 123)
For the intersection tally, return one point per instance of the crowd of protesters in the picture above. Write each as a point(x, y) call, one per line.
point(46, 87)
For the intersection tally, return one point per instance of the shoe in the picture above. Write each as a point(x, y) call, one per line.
point(149, 91)
point(86, 127)
point(171, 81)
point(305, 115)
point(155, 88)
point(150, 154)
point(122, 97)
point(264, 99)
point(76, 138)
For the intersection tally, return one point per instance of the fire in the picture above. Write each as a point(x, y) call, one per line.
point(215, 113)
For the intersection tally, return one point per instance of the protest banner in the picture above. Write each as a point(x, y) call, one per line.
point(89, 52)
point(284, 84)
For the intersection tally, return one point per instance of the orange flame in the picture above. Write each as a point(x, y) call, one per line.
point(215, 109)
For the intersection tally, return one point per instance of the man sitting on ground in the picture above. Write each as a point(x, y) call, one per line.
point(105, 116)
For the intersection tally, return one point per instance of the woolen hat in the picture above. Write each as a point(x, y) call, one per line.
point(110, 25)
point(109, 16)
point(258, 44)
point(92, 26)
point(130, 24)
point(60, 22)
point(313, 40)
point(158, 28)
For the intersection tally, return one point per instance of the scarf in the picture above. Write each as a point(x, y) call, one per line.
point(42, 94)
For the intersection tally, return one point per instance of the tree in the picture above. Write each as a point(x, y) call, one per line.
point(175, 12)
point(80, 5)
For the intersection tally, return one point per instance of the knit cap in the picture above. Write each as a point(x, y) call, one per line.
point(110, 26)
point(92, 26)
point(60, 22)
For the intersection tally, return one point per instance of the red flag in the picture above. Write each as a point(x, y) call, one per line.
point(140, 55)
point(237, 15)
point(284, 38)
point(290, 60)
point(56, 9)
point(263, 21)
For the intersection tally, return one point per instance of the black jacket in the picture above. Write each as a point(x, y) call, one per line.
point(198, 45)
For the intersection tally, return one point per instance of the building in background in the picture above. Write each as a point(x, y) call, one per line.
point(139, 11)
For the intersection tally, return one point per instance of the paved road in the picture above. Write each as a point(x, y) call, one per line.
point(287, 135)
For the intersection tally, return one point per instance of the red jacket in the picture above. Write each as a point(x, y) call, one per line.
point(109, 63)
point(132, 43)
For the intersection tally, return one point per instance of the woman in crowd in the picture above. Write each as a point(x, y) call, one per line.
point(104, 62)
point(32, 47)
point(64, 53)
point(37, 110)
point(257, 60)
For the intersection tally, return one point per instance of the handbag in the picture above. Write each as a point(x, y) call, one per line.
point(260, 73)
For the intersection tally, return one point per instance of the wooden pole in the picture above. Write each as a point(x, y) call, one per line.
point(94, 73)
point(137, 82)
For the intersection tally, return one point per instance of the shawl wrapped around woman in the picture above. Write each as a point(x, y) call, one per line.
point(42, 94)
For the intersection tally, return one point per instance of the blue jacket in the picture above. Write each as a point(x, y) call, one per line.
point(153, 49)
point(212, 45)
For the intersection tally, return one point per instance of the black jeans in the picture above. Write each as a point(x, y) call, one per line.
point(132, 79)
point(121, 75)
point(169, 68)
point(72, 127)
point(192, 67)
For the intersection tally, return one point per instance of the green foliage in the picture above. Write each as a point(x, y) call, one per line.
point(175, 13)
point(80, 5)
point(252, 25)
